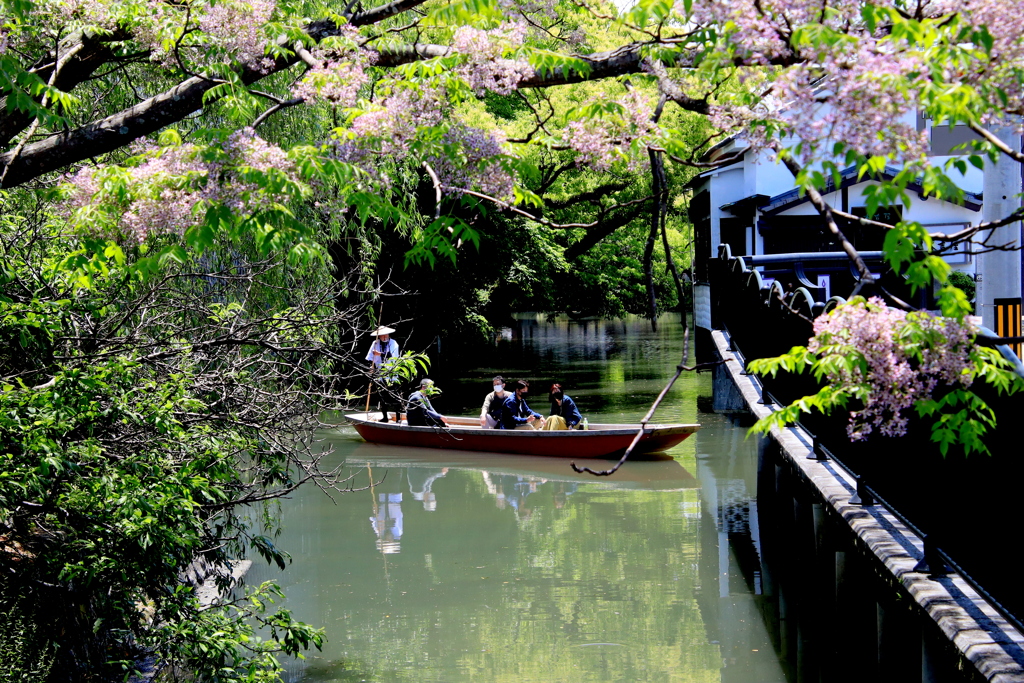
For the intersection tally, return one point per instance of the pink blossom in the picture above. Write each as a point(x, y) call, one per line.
point(100, 13)
point(237, 28)
point(856, 99)
point(162, 192)
point(896, 359)
point(544, 8)
point(338, 78)
point(391, 127)
point(334, 82)
point(599, 140)
point(169, 188)
point(486, 68)
point(160, 23)
point(474, 162)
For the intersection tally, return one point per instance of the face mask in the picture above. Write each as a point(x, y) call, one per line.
point(499, 388)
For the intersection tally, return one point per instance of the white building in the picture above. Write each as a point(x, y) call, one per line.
point(750, 203)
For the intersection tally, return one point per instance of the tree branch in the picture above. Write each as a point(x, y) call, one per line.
point(115, 131)
point(996, 142)
point(591, 195)
point(378, 14)
point(606, 228)
point(650, 413)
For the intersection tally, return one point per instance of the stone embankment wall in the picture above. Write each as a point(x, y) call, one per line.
point(852, 598)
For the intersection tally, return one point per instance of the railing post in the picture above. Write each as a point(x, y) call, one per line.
point(816, 452)
point(862, 496)
point(766, 398)
point(931, 562)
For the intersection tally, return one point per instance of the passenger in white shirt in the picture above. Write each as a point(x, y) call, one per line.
point(490, 414)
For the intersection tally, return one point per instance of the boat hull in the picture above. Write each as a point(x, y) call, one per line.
point(600, 441)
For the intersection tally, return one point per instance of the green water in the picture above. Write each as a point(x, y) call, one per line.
point(470, 567)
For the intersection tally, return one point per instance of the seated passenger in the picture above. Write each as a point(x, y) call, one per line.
point(420, 413)
point(490, 414)
point(564, 413)
point(514, 411)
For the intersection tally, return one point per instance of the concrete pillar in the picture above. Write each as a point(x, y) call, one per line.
point(882, 626)
point(802, 550)
point(1000, 271)
point(803, 672)
point(841, 587)
point(931, 658)
point(818, 519)
point(841, 635)
point(787, 624)
point(725, 396)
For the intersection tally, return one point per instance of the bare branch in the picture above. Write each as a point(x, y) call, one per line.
point(437, 190)
point(650, 413)
point(378, 14)
point(996, 142)
point(599, 192)
point(537, 219)
point(284, 104)
point(672, 91)
point(94, 52)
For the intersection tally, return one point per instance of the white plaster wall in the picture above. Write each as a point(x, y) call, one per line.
point(937, 211)
point(758, 173)
point(927, 212)
point(973, 181)
point(697, 189)
point(726, 187)
point(921, 210)
point(769, 178)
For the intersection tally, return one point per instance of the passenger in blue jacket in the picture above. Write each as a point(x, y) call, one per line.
point(514, 411)
point(564, 413)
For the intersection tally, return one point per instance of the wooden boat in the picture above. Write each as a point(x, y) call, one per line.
point(465, 434)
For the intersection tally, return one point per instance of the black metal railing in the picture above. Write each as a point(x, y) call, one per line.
point(934, 559)
point(766, 320)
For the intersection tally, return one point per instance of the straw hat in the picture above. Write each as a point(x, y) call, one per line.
point(380, 331)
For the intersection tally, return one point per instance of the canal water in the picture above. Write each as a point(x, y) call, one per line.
point(450, 566)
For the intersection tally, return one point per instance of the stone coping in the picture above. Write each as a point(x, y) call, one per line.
point(979, 632)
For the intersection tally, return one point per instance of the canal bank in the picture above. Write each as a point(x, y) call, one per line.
point(868, 603)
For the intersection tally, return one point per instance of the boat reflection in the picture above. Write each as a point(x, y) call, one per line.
point(654, 473)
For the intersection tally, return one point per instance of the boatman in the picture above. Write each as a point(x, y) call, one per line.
point(490, 414)
point(514, 411)
point(382, 353)
point(420, 412)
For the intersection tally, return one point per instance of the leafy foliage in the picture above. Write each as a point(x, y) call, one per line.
point(140, 417)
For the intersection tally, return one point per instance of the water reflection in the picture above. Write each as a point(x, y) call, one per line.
point(421, 481)
point(480, 567)
point(387, 523)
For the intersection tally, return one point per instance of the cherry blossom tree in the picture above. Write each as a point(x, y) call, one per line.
point(162, 135)
point(820, 86)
